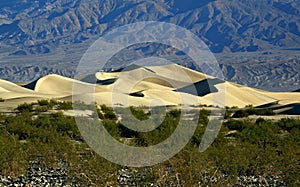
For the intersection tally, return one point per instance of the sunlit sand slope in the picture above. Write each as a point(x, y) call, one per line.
point(170, 85)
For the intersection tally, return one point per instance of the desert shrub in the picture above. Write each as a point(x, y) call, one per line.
point(84, 106)
point(40, 109)
point(198, 134)
point(64, 124)
point(99, 113)
point(202, 124)
point(266, 112)
point(231, 161)
point(108, 113)
point(20, 126)
point(228, 114)
point(174, 113)
point(65, 105)
point(294, 136)
point(288, 124)
point(112, 128)
point(43, 102)
point(49, 104)
point(252, 111)
point(1, 100)
point(13, 157)
point(264, 133)
point(235, 125)
point(126, 132)
point(259, 149)
point(259, 120)
point(53, 102)
point(139, 113)
point(203, 117)
point(162, 132)
point(25, 107)
point(240, 114)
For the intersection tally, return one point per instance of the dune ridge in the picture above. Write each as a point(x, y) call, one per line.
point(167, 85)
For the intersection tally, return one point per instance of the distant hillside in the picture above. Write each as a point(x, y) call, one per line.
point(250, 25)
point(50, 36)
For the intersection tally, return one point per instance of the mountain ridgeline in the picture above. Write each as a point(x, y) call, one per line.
point(232, 26)
point(58, 31)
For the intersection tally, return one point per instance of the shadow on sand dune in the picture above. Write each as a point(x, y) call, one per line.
point(31, 85)
point(202, 88)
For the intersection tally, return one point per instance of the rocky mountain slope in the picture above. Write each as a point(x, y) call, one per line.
point(64, 29)
point(223, 25)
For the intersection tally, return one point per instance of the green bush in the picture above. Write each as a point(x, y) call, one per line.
point(112, 128)
point(99, 114)
point(80, 105)
point(288, 124)
point(25, 107)
point(40, 109)
point(65, 105)
point(235, 125)
point(202, 124)
point(13, 157)
point(203, 117)
point(49, 104)
point(260, 120)
point(161, 133)
point(252, 111)
point(240, 114)
point(139, 113)
point(108, 113)
point(1, 100)
point(266, 112)
point(228, 114)
point(262, 134)
point(43, 102)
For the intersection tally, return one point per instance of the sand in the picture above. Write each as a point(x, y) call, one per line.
point(142, 86)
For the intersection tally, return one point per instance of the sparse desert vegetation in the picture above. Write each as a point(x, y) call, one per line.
point(244, 147)
point(250, 110)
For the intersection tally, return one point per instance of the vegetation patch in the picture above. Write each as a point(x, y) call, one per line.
point(241, 113)
point(258, 148)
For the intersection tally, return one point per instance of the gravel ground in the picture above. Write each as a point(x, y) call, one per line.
point(38, 176)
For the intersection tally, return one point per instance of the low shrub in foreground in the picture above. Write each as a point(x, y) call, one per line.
point(252, 111)
point(261, 147)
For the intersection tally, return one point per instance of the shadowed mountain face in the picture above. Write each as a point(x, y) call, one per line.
point(249, 25)
point(58, 32)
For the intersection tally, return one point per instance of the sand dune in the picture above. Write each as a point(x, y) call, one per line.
point(59, 86)
point(141, 86)
point(6, 86)
point(239, 96)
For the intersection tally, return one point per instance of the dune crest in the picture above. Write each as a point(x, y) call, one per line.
point(140, 86)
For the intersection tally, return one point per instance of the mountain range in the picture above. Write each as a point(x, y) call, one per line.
point(50, 36)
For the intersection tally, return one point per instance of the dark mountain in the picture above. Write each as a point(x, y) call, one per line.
point(251, 25)
point(57, 31)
